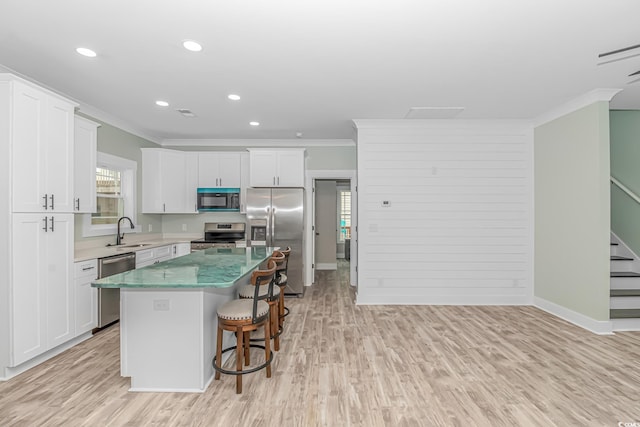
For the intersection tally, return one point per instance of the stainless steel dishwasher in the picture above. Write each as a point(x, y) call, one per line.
point(109, 299)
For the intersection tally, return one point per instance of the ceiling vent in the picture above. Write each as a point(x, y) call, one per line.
point(185, 112)
point(433, 112)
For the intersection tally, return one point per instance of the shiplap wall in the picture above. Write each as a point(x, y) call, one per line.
point(459, 226)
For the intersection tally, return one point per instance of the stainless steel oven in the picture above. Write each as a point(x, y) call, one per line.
point(221, 235)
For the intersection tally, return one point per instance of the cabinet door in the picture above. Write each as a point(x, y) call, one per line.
point(180, 249)
point(172, 176)
point(86, 297)
point(84, 173)
point(58, 161)
point(208, 176)
point(290, 171)
point(191, 183)
point(229, 170)
point(28, 297)
point(59, 279)
point(151, 184)
point(27, 152)
point(263, 168)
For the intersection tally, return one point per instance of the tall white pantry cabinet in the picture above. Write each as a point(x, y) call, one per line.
point(36, 221)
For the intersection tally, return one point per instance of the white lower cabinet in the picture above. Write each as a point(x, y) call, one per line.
point(153, 256)
point(42, 313)
point(180, 249)
point(86, 297)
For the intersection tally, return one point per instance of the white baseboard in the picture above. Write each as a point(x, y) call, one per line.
point(10, 372)
point(596, 326)
point(626, 325)
point(327, 266)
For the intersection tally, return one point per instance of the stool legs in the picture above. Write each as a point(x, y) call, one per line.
point(218, 352)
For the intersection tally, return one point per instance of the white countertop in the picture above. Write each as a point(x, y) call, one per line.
point(105, 251)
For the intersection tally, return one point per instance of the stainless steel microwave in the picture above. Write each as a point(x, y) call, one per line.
point(219, 199)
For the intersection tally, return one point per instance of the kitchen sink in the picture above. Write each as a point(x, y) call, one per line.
point(139, 245)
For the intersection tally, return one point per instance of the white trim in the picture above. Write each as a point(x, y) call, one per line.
point(327, 266)
point(131, 166)
point(600, 327)
point(310, 176)
point(10, 372)
point(86, 109)
point(116, 122)
point(575, 104)
point(405, 299)
point(475, 125)
point(626, 325)
point(267, 143)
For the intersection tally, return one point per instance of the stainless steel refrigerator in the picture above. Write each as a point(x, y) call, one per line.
point(275, 217)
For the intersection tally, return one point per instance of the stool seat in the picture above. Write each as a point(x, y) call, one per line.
point(242, 309)
point(247, 291)
point(282, 279)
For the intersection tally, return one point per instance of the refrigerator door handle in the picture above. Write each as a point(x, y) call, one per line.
point(273, 226)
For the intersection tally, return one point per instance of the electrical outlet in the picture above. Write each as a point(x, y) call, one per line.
point(184, 227)
point(161, 305)
point(150, 228)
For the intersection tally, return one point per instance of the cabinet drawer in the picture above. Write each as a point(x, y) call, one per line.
point(144, 256)
point(162, 252)
point(87, 268)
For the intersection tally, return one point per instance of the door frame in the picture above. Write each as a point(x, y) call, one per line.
point(310, 178)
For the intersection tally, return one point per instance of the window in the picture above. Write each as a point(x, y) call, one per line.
point(110, 201)
point(115, 195)
point(344, 209)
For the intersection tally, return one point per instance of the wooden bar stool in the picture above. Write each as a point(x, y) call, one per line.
point(268, 292)
point(281, 281)
point(243, 316)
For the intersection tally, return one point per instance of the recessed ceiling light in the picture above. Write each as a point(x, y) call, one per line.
point(86, 52)
point(191, 45)
point(254, 123)
point(234, 97)
point(162, 103)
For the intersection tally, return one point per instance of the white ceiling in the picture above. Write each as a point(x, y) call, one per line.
point(311, 66)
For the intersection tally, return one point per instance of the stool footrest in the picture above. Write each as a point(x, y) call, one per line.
point(244, 371)
point(272, 336)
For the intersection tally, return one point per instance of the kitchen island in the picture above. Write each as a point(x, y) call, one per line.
point(168, 318)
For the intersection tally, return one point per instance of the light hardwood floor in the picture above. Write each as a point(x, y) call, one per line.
point(342, 365)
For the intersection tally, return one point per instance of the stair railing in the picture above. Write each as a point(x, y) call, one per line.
point(624, 188)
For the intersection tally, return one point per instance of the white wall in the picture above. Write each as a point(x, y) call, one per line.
point(459, 226)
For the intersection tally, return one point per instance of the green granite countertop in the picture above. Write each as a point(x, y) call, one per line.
point(214, 267)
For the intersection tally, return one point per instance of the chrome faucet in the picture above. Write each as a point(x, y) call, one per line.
point(119, 237)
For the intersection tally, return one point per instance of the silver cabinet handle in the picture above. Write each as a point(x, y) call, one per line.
point(46, 199)
point(164, 207)
point(52, 202)
point(278, 180)
point(87, 268)
point(78, 204)
point(51, 228)
point(45, 228)
point(274, 180)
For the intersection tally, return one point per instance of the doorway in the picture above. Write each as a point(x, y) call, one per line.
point(331, 223)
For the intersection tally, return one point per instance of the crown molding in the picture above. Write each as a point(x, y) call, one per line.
point(596, 95)
point(257, 142)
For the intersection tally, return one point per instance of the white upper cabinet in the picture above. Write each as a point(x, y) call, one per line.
point(219, 170)
point(276, 167)
point(166, 177)
point(40, 132)
point(244, 181)
point(85, 146)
